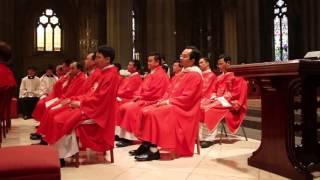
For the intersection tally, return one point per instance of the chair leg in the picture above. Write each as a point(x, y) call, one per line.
point(111, 156)
point(221, 132)
point(77, 159)
point(4, 128)
point(198, 144)
point(244, 133)
point(224, 130)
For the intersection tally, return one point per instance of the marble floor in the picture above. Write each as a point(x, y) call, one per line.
point(226, 161)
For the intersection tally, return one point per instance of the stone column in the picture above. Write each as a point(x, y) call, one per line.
point(248, 30)
point(119, 29)
point(230, 30)
point(161, 28)
point(88, 26)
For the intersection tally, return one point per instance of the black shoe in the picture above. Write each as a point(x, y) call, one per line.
point(149, 156)
point(124, 143)
point(117, 138)
point(42, 142)
point(62, 163)
point(35, 136)
point(142, 149)
point(206, 144)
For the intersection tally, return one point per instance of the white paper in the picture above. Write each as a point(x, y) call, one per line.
point(57, 107)
point(223, 101)
point(50, 102)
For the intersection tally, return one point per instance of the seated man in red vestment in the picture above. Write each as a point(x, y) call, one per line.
point(58, 88)
point(128, 89)
point(63, 104)
point(130, 85)
point(172, 123)
point(206, 138)
point(152, 89)
point(6, 76)
point(70, 85)
point(97, 105)
point(227, 100)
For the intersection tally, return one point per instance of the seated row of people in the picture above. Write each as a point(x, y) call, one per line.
point(32, 88)
point(157, 111)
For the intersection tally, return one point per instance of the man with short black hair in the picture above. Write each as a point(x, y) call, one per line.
point(172, 123)
point(98, 105)
point(206, 138)
point(152, 89)
point(218, 100)
point(29, 92)
point(47, 81)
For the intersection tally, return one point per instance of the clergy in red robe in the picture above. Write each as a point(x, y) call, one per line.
point(227, 101)
point(6, 76)
point(59, 87)
point(128, 89)
point(152, 89)
point(130, 85)
point(82, 87)
point(172, 123)
point(208, 75)
point(97, 105)
point(206, 137)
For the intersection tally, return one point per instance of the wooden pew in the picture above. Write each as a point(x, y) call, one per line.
point(280, 84)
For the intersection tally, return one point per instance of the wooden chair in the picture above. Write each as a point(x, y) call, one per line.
point(5, 120)
point(76, 157)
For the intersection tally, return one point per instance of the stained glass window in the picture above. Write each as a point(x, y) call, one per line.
point(281, 40)
point(48, 32)
point(135, 54)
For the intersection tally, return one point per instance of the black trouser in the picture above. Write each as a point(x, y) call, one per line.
point(27, 105)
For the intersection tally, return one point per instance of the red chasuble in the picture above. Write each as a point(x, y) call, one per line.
point(67, 88)
point(58, 88)
point(6, 77)
point(152, 89)
point(129, 86)
point(232, 106)
point(174, 126)
point(54, 109)
point(208, 79)
point(98, 105)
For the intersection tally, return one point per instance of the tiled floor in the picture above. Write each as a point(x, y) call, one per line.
point(226, 161)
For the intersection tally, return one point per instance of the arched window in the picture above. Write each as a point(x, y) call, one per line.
point(134, 53)
point(280, 22)
point(48, 32)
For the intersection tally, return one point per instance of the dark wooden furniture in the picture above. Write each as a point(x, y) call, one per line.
point(279, 83)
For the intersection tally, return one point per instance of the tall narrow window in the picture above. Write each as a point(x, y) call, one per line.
point(135, 54)
point(281, 40)
point(48, 32)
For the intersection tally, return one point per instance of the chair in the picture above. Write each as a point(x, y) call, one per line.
point(76, 157)
point(5, 120)
point(198, 141)
point(239, 104)
point(223, 130)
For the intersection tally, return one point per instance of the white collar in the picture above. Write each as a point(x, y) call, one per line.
point(133, 74)
point(107, 67)
point(192, 69)
point(206, 71)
